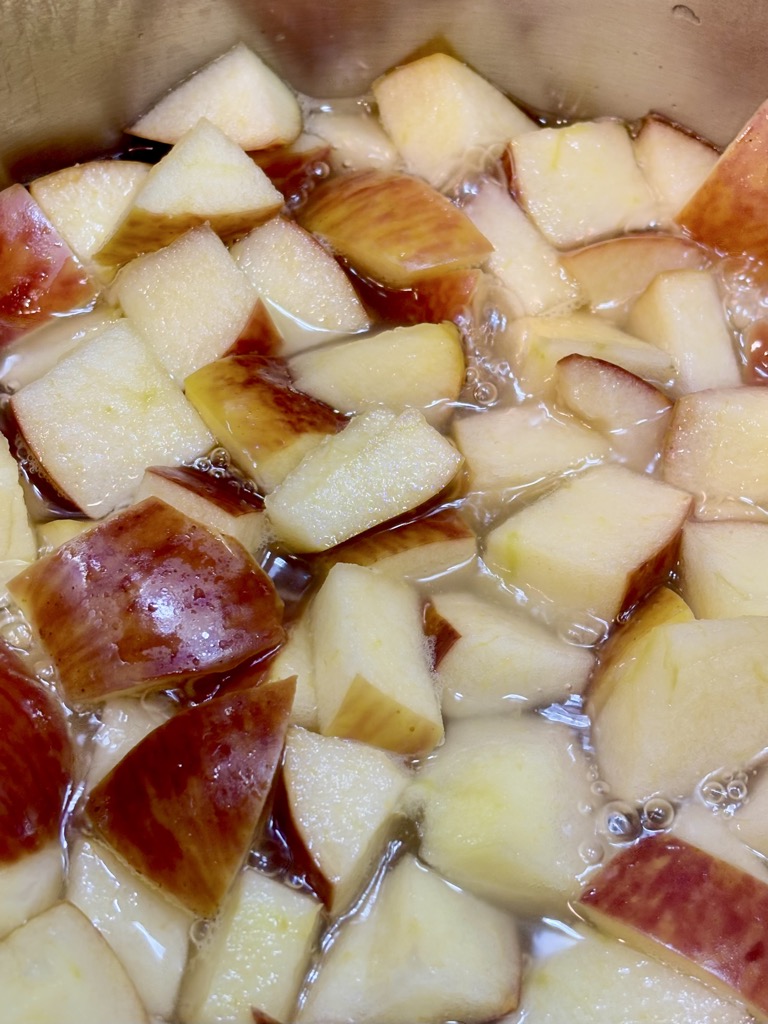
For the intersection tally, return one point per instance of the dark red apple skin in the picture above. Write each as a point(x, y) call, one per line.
point(36, 762)
point(691, 903)
point(183, 806)
point(297, 861)
point(433, 301)
point(224, 491)
point(440, 631)
point(258, 337)
point(148, 599)
point(39, 274)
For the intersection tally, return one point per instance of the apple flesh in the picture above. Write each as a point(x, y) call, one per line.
point(125, 721)
point(30, 885)
point(356, 141)
point(722, 568)
point(674, 161)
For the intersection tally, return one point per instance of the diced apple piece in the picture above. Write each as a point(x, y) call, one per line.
point(41, 277)
point(627, 643)
point(423, 952)
point(599, 981)
point(148, 934)
point(218, 503)
point(357, 141)
point(445, 119)
point(341, 796)
point(534, 345)
point(265, 423)
point(58, 968)
point(450, 296)
point(717, 448)
point(198, 783)
point(393, 228)
point(85, 202)
point(294, 659)
point(581, 182)
point(523, 445)
point(750, 821)
point(125, 721)
point(698, 913)
point(630, 412)
point(253, 963)
point(595, 546)
point(681, 311)
point(50, 535)
point(380, 466)
point(500, 659)
point(723, 569)
point(238, 93)
point(675, 163)
point(372, 675)
point(419, 549)
point(523, 260)
point(693, 700)
point(101, 415)
point(188, 301)
point(296, 168)
point(295, 276)
point(726, 211)
point(503, 811)
point(30, 885)
point(206, 178)
point(147, 599)
point(420, 366)
point(17, 538)
point(613, 273)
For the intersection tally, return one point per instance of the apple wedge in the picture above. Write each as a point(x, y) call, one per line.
point(253, 408)
point(393, 228)
point(445, 119)
point(198, 783)
point(379, 467)
point(581, 182)
point(57, 967)
point(148, 933)
point(206, 178)
point(150, 599)
point(238, 93)
point(722, 572)
point(503, 816)
point(420, 366)
point(306, 292)
point(682, 312)
point(189, 301)
point(523, 445)
point(675, 902)
point(594, 547)
point(495, 659)
point(691, 700)
point(674, 161)
point(425, 951)
point(341, 797)
point(251, 964)
point(30, 885)
point(372, 675)
point(356, 141)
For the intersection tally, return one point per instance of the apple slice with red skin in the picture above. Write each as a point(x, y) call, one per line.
point(148, 599)
point(702, 915)
point(40, 276)
point(393, 228)
point(449, 296)
point(197, 786)
point(36, 762)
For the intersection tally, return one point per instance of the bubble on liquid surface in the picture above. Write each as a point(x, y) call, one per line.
point(685, 13)
point(591, 852)
point(657, 815)
point(620, 822)
point(725, 791)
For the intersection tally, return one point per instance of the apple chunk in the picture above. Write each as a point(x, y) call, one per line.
point(675, 163)
point(393, 228)
point(702, 915)
point(30, 885)
point(723, 569)
point(198, 784)
point(148, 599)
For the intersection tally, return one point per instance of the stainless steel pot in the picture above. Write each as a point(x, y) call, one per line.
point(75, 71)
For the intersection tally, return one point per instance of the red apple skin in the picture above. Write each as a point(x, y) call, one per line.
point(440, 631)
point(259, 336)
point(148, 599)
point(755, 339)
point(293, 171)
point(448, 297)
point(36, 762)
point(223, 491)
point(692, 904)
point(39, 274)
point(183, 806)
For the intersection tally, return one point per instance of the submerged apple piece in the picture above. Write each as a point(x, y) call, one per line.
point(700, 914)
point(449, 296)
point(30, 885)
point(124, 722)
point(355, 141)
point(36, 762)
point(238, 93)
point(294, 169)
point(723, 569)
point(259, 336)
point(39, 274)
point(148, 599)
point(380, 466)
point(267, 425)
point(393, 228)
point(198, 785)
